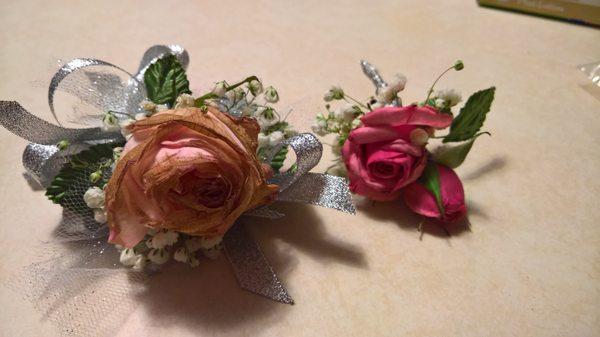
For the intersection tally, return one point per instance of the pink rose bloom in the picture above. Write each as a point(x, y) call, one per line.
point(189, 171)
point(381, 158)
point(423, 202)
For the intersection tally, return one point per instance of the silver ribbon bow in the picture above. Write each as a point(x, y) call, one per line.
point(106, 91)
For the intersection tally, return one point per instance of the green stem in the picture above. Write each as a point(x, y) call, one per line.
point(354, 100)
point(200, 100)
point(435, 82)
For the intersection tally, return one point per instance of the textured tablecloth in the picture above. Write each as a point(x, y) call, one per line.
point(529, 267)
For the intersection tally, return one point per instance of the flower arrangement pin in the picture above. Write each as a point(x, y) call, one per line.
point(384, 147)
point(161, 174)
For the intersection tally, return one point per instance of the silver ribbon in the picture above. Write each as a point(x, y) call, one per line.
point(106, 91)
point(371, 72)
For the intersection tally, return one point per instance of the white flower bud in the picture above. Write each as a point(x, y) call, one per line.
point(220, 89)
point(271, 95)
point(334, 93)
point(162, 239)
point(158, 256)
point(398, 83)
point(263, 140)
point(99, 215)
point(440, 103)
point(128, 257)
point(346, 113)
point(140, 263)
point(110, 122)
point(255, 87)
point(208, 243)
point(319, 127)
point(451, 96)
point(148, 106)
point(181, 255)
point(265, 118)
point(184, 101)
point(117, 154)
point(419, 137)
point(125, 127)
point(94, 197)
point(162, 107)
point(239, 93)
point(140, 116)
point(275, 138)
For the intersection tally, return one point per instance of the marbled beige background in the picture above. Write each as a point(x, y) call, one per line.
point(530, 266)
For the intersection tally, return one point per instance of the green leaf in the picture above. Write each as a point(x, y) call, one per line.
point(71, 182)
point(431, 180)
point(471, 116)
point(454, 156)
point(165, 79)
point(279, 158)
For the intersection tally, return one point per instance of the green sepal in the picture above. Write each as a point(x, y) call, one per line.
point(471, 116)
point(454, 156)
point(430, 179)
point(165, 80)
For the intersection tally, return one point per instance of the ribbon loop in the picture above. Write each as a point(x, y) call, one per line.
point(308, 151)
point(155, 52)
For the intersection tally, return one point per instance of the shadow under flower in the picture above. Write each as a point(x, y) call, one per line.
point(398, 212)
point(208, 297)
point(494, 164)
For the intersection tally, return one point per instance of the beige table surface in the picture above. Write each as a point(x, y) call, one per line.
point(529, 267)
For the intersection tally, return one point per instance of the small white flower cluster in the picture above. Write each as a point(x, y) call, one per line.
point(111, 123)
point(387, 95)
point(446, 99)
point(94, 199)
point(254, 101)
point(339, 121)
point(158, 246)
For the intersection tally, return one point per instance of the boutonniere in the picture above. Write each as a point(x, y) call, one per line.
point(392, 151)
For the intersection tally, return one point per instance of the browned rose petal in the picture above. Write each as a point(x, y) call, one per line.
point(186, 170)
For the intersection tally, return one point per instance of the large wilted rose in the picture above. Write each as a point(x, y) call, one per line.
point(186, 170)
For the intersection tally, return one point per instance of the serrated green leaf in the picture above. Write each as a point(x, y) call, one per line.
point(72, 180)
point(471, 116)
point(431, 180)
point(454, 156)
point(278, 159)
point(165, 79)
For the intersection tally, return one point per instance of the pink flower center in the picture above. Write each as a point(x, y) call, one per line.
point(210, 192)
point(385, 170)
